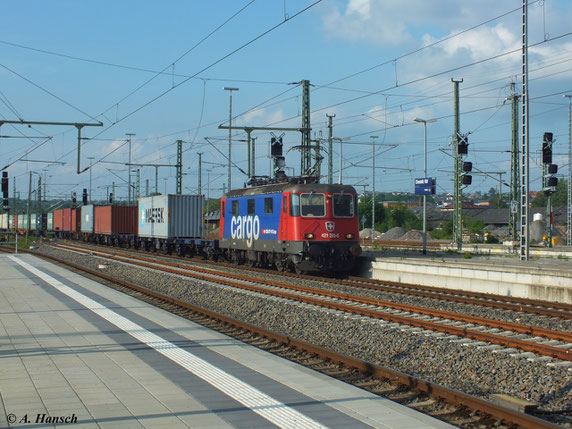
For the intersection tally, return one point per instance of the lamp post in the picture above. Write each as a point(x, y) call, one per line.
point(229, 89)
point(424, 122)
point(373, 188)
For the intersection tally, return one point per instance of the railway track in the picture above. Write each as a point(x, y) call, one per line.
point(454, 326)
point(523, 305)
point(446, 404)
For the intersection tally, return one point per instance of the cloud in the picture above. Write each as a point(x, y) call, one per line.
point(480, 43)
point(261, 117)
point(393, 23)
point(365, 20)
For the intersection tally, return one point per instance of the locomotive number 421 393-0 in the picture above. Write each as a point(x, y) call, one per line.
point(330, 235)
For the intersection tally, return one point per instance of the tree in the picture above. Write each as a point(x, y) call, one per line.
point(364, 210)
point(559, 198)
point(444, 231)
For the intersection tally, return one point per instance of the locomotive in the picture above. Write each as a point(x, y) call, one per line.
point(305, 227)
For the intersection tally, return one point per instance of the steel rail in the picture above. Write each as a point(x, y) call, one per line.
point(504, 341)
point(503, 302)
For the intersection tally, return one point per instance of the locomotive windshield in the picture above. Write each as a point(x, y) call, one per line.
point(343, 205)
point(313, 204)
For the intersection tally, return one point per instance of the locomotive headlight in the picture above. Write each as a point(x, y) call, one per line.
point(350, 235)
point(309, 236)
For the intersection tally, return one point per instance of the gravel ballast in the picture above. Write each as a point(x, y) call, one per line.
point(463, 367)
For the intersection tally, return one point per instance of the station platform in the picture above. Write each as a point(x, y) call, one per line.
point(547, 278)
point(78, 354)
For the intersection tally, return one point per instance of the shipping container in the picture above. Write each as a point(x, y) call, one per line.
point(33, 220)
point(50, 222)
point(22, 222)
point(12, 222)
point(87, 219)
point(171, 216)
point(58, 220)
point(75, 223)
point(114, 220)
point(4, 221)
point(66, 220)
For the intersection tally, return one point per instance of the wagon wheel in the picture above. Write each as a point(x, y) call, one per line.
point(298, 270)
point(236, 257)
point(280, 265)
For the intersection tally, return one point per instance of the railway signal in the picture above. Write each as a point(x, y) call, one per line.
point(549, 180)
point(5, 187)
point(466, 167)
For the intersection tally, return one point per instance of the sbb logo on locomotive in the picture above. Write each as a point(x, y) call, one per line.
point(247, 227)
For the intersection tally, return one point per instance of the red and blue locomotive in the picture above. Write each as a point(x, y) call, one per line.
point(304, 227)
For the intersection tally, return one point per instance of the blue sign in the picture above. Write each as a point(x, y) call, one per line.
point(363, 219)
point(424, 186)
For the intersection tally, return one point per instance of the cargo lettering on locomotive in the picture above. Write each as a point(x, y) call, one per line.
point(245, 227)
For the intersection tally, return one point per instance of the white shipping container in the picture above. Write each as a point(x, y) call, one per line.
point(4, 221)
point(22, 222)
point(87, 218)
point(171, 216)
point(50, 225)
point(33, 220)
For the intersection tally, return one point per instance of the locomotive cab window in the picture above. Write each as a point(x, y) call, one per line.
point(284, 204)
point(223, 209)
point(294, 205)
point(343, 205)
point(313, 204)
point(250, 206)
point(268, 205)
point(234, 207)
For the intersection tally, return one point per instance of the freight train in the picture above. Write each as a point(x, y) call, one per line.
point(289, 226)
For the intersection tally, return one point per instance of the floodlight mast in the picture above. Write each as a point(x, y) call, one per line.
point(425, 122)
point(373, 188)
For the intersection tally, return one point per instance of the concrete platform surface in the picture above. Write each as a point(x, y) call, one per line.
point(542, 279)
point(75, 353)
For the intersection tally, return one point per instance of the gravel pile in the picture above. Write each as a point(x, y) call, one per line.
point(415, 235)
point(466, 368)
point(393, 234)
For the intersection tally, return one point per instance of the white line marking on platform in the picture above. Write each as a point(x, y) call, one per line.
point(267, 407)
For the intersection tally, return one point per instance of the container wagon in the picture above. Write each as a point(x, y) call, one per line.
point(173, 223)
point(115, 225)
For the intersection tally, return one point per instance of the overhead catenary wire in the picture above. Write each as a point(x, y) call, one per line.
point(241, 47)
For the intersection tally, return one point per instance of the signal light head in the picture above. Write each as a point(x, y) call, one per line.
point(467, 179)
point(552, 182)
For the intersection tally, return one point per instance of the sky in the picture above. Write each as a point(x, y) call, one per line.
point(157, 70)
